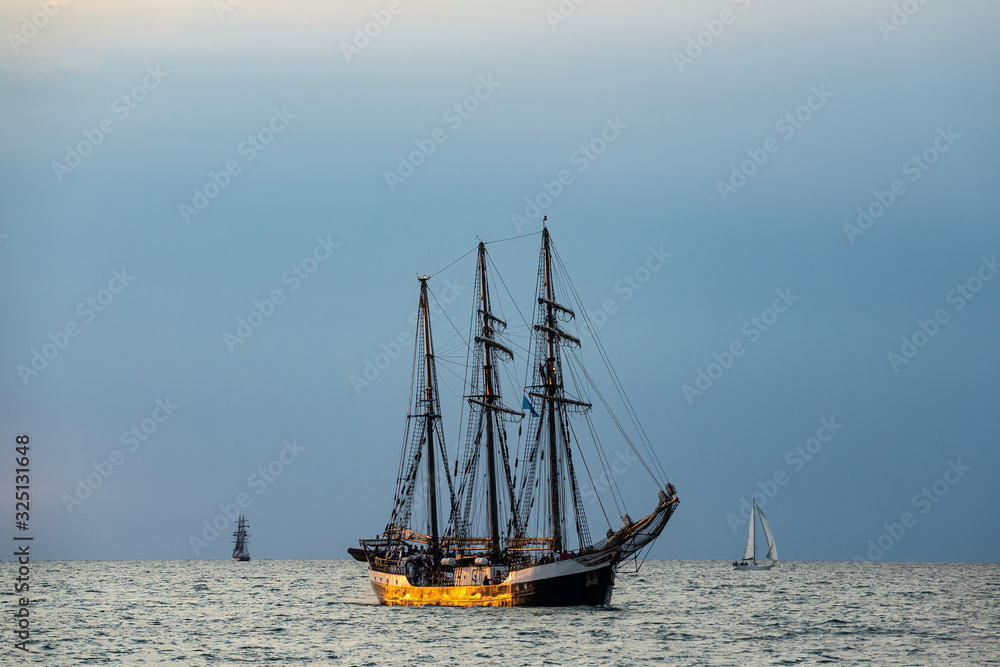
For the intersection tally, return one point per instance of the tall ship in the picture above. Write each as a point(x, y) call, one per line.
point(240, 550)
point(506, 524)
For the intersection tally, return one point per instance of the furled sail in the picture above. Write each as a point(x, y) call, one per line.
point(748, 552)
point(772, 549)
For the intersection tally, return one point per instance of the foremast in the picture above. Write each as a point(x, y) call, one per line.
point(553, 389)
point(551, 379)
point(549, 388)
point(550, 434)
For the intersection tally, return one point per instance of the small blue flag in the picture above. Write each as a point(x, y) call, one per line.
point(527, 406)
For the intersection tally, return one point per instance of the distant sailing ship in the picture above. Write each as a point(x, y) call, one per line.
point(240, 551)
point(750, 552)
point(512, 535)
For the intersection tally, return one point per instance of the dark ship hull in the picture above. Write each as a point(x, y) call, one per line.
point(565, 583)
point(583, 578)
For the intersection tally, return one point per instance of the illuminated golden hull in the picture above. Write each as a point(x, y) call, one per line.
point(448, 596)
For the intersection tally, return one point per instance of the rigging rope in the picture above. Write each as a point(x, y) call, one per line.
point(615, 381)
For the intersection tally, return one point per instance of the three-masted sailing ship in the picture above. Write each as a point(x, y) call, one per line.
point(491, 533)
point(240, 550)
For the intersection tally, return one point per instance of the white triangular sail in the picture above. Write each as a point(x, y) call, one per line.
point(772, 548)
point(748, 553)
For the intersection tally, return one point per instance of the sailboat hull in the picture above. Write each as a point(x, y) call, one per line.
point(753, 566)
point(560, 584)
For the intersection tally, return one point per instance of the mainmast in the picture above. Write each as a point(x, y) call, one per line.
point(485, 419)
point(550, 390)
point(429, 418)
point(488, 398)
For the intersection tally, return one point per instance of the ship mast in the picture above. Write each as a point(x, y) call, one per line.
point(553, 441)
point(485, 419)
point(551, 390)
point(429, 417)
point(488, 398)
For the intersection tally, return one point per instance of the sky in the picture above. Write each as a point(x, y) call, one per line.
point(212, 214)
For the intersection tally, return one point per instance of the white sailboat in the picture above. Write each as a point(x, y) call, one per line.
point(749, 561)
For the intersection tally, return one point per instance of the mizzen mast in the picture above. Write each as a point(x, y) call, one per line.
point(424, 460)
point(430, 416)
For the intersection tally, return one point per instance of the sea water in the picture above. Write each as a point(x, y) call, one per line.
point(669, 612)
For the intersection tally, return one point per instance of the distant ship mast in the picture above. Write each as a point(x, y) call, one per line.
point(240, 551)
